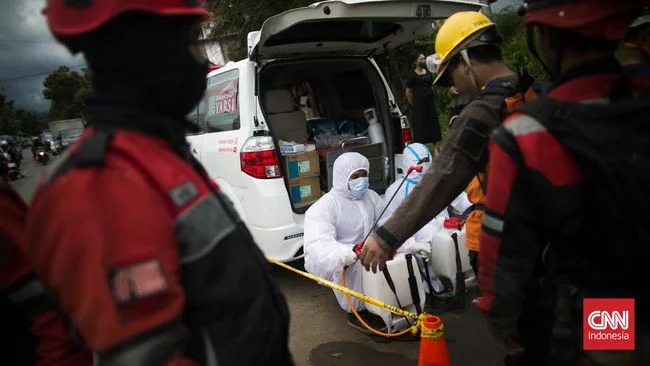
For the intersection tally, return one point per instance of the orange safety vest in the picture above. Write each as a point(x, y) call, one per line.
point(476, 196)
point(476, 188)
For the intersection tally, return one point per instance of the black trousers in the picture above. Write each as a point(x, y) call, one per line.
point(473, 261)
point(534, 331)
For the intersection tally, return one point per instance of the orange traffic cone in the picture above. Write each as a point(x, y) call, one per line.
point(433, 346)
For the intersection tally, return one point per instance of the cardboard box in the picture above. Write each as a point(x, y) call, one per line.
point(287, 148)
point(305, 190)
point(303, 165)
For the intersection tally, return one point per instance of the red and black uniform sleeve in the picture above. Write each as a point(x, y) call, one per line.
point(464, 153)
point(533, 189)
point(27, 295)
point(103, 242)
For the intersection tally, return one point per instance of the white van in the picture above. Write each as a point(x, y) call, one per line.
point(326, 48)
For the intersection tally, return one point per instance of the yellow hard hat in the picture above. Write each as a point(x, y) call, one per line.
point(456, 33)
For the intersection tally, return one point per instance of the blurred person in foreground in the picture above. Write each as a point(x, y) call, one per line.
point(568, 169)
point(34, 333)
point(147, 258)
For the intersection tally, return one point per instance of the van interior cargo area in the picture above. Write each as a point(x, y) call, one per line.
point(315, 110)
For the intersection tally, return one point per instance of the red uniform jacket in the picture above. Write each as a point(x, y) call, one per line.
point(151, 265)
point(534, 205)
point(55, 345)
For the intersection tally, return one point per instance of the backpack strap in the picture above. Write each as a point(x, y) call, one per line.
point(391, 284)
point(426, 275)
point(470, 209)
point(91, 153)
point(413, 285)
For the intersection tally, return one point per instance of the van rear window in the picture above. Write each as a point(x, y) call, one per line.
point(364, 31)
point(219, 109)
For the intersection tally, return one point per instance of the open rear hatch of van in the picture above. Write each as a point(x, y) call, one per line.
point(335, 38)
point(349, 27)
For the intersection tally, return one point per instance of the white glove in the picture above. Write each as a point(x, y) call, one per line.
point(348, 257)
point(422, 250)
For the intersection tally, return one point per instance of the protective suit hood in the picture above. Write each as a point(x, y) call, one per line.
point(344, 166)
point(410, 157)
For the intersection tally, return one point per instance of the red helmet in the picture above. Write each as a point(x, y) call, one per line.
point(69, 18)
point(597, 18)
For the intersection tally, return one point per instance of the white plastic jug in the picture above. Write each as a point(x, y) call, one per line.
point(375, 286)
point(375, 130)
point(443, 251)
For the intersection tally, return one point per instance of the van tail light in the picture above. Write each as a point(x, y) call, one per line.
point(407, 136)
point(259, 158)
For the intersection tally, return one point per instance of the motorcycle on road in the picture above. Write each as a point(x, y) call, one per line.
point(42, 156)
point(8, 169)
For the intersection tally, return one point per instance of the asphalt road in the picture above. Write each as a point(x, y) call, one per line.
point(319, 333)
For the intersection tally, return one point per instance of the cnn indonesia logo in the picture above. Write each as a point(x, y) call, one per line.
point(608, 324)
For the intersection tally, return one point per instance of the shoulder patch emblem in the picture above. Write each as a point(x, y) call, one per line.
point(137, 281)
point(183, 193)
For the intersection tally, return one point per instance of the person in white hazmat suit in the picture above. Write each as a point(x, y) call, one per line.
point(420, 243)
point(335, 223)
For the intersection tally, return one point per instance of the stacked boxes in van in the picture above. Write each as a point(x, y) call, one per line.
point(303, 176)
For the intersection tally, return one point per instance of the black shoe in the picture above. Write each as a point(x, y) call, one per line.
point(371, 319)
point(438, 304)
point(356, 324)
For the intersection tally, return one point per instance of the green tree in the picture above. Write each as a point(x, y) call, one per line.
point(232, 20)
point(62, 88)
point(515, 49)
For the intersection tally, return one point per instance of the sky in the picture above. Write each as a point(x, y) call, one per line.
point(28, 52)
point(27, 48)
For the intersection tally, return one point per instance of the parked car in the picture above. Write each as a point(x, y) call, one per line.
point(317, 58)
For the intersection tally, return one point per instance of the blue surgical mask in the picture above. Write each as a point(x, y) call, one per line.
point(358, 187)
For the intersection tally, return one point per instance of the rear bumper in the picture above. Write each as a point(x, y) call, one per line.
point(280, 243)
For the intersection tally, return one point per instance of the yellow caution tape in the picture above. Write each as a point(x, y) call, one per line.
point(393, 309)
point(434, 334)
